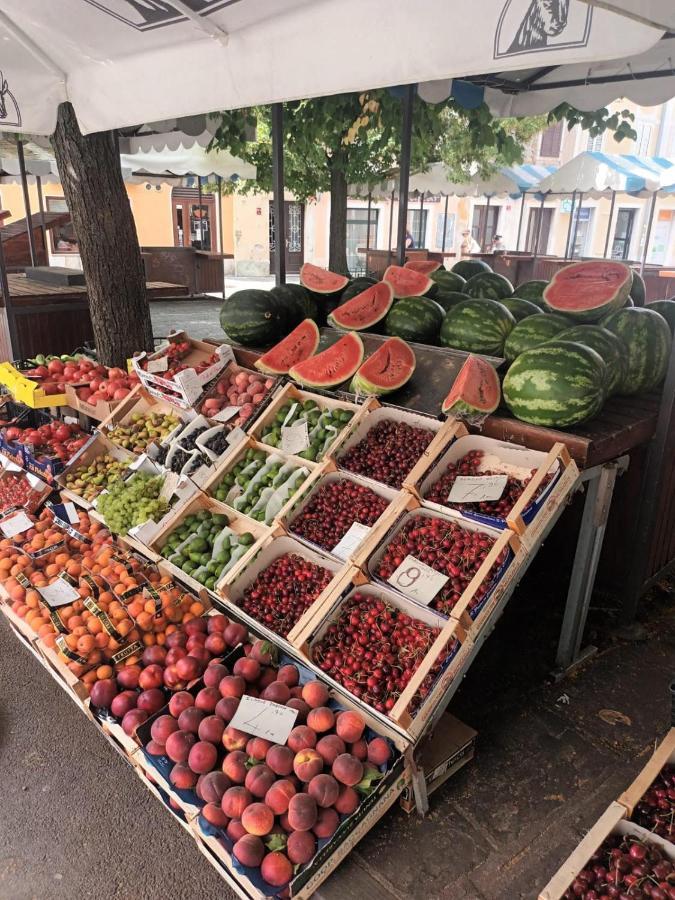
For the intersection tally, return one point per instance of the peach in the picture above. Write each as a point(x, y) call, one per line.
point(259, 780)
point(249, 850)
point(178, 745)
point(247, 668)
point(151, 700)
point(267, 676)
point(235, 830)
point(233, 739)
point(321, 719)
point(301, 738)
point(215, 644)
point(202, 757)
point(172, 680)
point(234, 766)
point(262, 651)
point(211, 729)
point(279, 795)
point(315, 694)
point(280, 759)
point(348, 800)
point(162, 727)
point(297, 692)
point(232, 686)
point(155, 749)
point(349, 726)
point(173, 655)
point(258, 819)
point(329, 747)
point(177, 639)
point(190, 719)
point(103, 693)
point(214, 674)
point(324, 789)
point(195, 626)
point(235, 634)
point(302, 708)
point(359, 749)
point(302, 812)
point(379, 753)
point(276, 869)
point(179, 702)
point(123, 702)
point(307, 763)
point(235, 800)
point(132, 719)
point(289, 675)
point(226, 708)
point(194, 642)
point(217, 623)
point(348, 769)
point(326, 823)
point(202, 655)
point(257, 747)
point(127, 678)
point(284, 823)
point(277, 692)
point(207, 699)
point(214, 814)
point(155, 655)
point(182, 777)
point(301, 847)
point(212, 786)
point(188, 668)
point(151, 677)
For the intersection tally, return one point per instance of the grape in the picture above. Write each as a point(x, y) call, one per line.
point(133, 502)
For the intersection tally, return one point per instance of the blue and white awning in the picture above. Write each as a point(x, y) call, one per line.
point(507, 182)
point(595, 173)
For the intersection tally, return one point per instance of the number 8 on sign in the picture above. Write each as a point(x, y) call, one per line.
point(408, 577)
point(417, 580)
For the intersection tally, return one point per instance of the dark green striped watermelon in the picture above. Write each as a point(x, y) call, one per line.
point(666, 308)
point(531, 332)
point(489, 285)
point(610, 347)
point(647, 338)
point(448, 299)
point(297, 300)
point(520, 309)
point(638, 291)
point(469, 267)
point(254, 318)
point(556, 385)
point(587, 291)
point(356, 286)
point(532, 291)
point(480, 326)
point(448, 281)
point(415, 319)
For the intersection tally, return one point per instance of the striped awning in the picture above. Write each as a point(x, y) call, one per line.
point(595, 173)
point(506, 182)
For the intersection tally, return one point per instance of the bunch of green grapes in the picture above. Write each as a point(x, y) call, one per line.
point(133, 502)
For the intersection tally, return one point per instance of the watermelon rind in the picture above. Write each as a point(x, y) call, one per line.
point(425, 266)
point(557, 385)
point(597, 287)
point(407, 282)
point(297, 346)
point(532, 291)
point(520, 309)
point(480, 326)
point(388, 369)
point(322, 281)
point(638, 290)
point(665, 308)
point(356, 286)
point(448, 299)
point(254, 318)
point(610, 347)
point(365, 310)
point(332, 366)
point(474, 371)
point(468, 267)
point(648, 343)
point(448, 281)
point(533, 331)
point(489, 286)
point(416, 319)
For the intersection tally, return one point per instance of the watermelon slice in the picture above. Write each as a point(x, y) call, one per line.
point(321, 281)
point(425, 266)
point(296, 347)
point(333, 366)
point(388, 369)
point(364, 310)
point(475, 391)
point(407, 282)
point(587, 291)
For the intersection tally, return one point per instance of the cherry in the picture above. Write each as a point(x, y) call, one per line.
point(334, 508)
point(388, 452)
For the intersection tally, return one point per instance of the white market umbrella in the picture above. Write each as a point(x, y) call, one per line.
point(172, 164)
point(122, 62)
point(660, 13)
point(595, 174)
point(507, 182)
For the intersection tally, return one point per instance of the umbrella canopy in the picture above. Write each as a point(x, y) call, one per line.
point(507, 182)
point(655, 12)
point(195, 160)
point(596, 173)
point(122, 62)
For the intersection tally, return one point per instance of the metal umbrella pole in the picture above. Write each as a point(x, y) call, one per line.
point(41, 207)
point(569, 227)
point(520, 220)
point(445, 223)
point(219, 182)
point(278, 193)
point(609, 224)
point(26, 203)
point(539, 227)
point(420, 230)
point(649, 233)
point(404, 172)
point(576, 225)
point(7, 299)
point(391, 225)
point(199, 217)
point(370, 200)
point(483, 231)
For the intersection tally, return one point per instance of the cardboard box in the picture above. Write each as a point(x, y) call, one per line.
point(98, 445)
point(27, 390)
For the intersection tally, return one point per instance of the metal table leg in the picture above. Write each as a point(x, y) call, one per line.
point(600, 487)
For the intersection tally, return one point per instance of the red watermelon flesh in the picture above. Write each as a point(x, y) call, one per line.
point(586, 291)
point(425, 266)
point(475, 391)
point(407, 282)
point(388, 369)
point(297, 346)
point(364, 310)
point(332, 366)
point(322, 281)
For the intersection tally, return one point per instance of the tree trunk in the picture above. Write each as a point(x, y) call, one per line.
point(111, 258)
point(337, 246)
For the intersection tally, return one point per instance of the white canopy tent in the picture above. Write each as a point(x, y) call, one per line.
point(168, 165)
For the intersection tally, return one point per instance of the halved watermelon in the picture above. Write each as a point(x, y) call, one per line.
point(333, 366)
point(364, 310)
point(407, 282)
point(388, 369)
point(587, 291)
point(425, 266)
point(475, 391)
point(322, 281)
point(297, 346)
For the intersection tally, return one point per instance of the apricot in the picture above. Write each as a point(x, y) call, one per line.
point(277, 692)
point(301, 738)
point(302, 708)
point(103, 693)
point(235, 800)
point(214, 674)
point(202, 757)
point(347, 769)
point(257, 747)
point(178, 746)
point(315, 694)
point(232, 686)
point(321, 719)
point(123, 702)
point(326, 823)
point(190, 719)
point(151, 701)
point(235, 830)
point(233, 739)
point(182, 777)
point(350, 726)
point(324, 789)
point(214, 814)
point(162, 727)
point(234, 766)
point(379, 753)
point(212, 787)
point(180, 701)
point(132, 720)
point(302, 812)
point(279, 795)
point(280, 759)
point(329, 747)
point(249, 850)
point(359, 749)
point(226, 708)
point(300, 847)
point(307, 764)
point(258, 819)
point(259, 779)
point(211, 729)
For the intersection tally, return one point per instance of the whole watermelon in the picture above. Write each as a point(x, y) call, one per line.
point(532, 291)
point(531, 332)
point(556, 385)
point(448, 299)
point(356, 286)
point(489, 285)
point(448, 281)
point(480, 326)
point(638, 291)
point(665, 308)
point(647, 338)
point(416, 319)
point(468, 267)
point(520, 309)
point(254, 318)
point(610, 347)
point(297, 301)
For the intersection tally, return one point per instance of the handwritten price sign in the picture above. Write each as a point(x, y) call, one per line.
point(476, 488)
point(417, 580)
point(264, 719)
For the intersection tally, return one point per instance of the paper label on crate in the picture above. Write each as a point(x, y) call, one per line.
point(295, 438)
point(71, 512)
point(350, 540)
point(476, 488)
point(144, 533)
point(264, 719)
point(226, 413)
point(59, 593)
point(189, 382)
point(16, 525)
point(417, 580)
point(289, 414)
point(126, 652)
point(226, 353)
point(236, 435)
point(169, 485)
point(158, 365)
point(71, 420)
point(152, 451)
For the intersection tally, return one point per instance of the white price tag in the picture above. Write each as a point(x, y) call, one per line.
point(16, 525)
point(264, 719)
point(190, 383)
point(475, 488)
point(158, 365)
point(295, 438)
point(350, 540)
point(145, 533)
point(236, 435)
point(226, 413)
point(169, 485)
point(417, 580)
point(60, 593)
point(36, 483)
point(289, 415)
point(226, 353)
point(71, 420)
point(71, 512)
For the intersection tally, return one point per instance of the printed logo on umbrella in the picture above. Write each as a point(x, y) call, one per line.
point(536, 26)
point(145, 15)
point(10, 114)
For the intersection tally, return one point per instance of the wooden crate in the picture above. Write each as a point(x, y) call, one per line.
point(662, 756)
point(233, 368)
point(99, 445)
point(140, 401)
